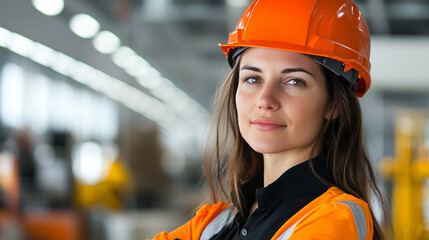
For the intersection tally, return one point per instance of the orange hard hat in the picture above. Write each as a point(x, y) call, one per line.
point(333, 32)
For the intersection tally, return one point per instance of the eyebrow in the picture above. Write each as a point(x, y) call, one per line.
point(286, 70)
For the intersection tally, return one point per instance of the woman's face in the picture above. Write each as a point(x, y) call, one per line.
point(281, 101)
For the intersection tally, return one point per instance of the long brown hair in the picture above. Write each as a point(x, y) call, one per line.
point(343, 146)
point(230, 161)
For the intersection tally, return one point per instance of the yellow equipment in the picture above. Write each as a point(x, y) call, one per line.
point(408, 171)
point(106, 193)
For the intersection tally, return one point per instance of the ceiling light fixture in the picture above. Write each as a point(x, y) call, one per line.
point(49, 7)
point(84, 25)
point(106, 42)
point(124, 57)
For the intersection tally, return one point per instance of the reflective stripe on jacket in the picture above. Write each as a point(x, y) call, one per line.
point(334, 215)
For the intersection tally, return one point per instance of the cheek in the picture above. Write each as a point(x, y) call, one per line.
point(309, 114)
point(243, 106)
point(240, 103)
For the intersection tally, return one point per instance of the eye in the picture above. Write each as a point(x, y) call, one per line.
point(252, 80)
point(296, 82)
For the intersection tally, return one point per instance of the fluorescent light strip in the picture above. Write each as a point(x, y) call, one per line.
point(162, 88)
point(119, 91)
point(146, 75)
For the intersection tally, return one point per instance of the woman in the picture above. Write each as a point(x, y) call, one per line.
point(287, 158)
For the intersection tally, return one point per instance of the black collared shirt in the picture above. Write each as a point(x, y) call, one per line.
point(277, 202)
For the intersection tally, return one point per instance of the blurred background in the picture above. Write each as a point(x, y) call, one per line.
point(104, 106)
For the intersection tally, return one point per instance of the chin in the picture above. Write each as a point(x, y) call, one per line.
point(266, 148)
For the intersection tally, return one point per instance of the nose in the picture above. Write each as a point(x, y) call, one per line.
point(268, 98)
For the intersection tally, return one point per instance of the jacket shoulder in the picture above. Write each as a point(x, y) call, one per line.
point(333, 215)
point(210, 210)
point(193, 229)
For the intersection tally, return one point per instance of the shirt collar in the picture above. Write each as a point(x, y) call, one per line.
point(298, 183)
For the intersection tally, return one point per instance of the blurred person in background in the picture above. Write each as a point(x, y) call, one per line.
point(287, 159)
point(27, 169)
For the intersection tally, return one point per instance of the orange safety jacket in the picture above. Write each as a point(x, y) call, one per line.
point(334, 215)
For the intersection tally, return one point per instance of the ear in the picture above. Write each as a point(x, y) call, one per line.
point(331, 112)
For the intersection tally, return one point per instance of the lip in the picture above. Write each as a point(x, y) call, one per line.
point(266, 124)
